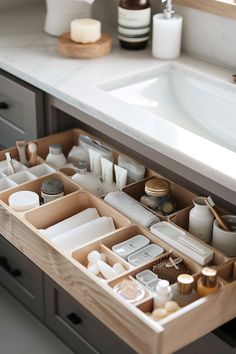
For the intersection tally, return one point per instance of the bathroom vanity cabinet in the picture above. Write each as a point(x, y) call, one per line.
point(21, 110)
point(94, 303)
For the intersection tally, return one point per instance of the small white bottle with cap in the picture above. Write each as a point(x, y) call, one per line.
point(56, 158)
point(167, 33)
point(87, 180)
point(163, 294)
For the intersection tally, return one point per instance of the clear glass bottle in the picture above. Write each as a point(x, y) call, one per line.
point(183, 291)
point(208, 282)
point(134, 21)
point(163, 294)
point(158, 196)
point(56, 158)
point(87, 180)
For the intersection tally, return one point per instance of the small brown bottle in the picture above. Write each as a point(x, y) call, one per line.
point(134, 18)
point(207, 283)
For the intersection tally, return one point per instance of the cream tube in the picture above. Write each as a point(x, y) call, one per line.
point(121, 177)
point(107, 171)
point(95, 163)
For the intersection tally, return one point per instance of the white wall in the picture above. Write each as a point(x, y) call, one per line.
point(210, 37)
point(12, 3)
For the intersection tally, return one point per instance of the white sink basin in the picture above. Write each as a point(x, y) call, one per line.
point(194, 101)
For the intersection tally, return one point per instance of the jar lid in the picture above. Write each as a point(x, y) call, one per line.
point(52, 186)
point(55, 149)
point(185, 283)
point(23, 200)
point(157, 186)
point(209, 277)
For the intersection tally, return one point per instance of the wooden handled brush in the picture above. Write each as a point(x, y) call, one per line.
point(221, 222)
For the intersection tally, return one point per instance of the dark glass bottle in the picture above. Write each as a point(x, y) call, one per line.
point(134, 18)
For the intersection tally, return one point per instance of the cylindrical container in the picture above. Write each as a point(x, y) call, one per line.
point(85, 30)
point(60, 13)
point(23, 200)
point(166, 36)
point(158, 196)
point(56, 158)
point(207, 283)
point(201, 220)
point(51, 189)
point(134, 17)
point(163, 293)
point(183, 291)
point(225, 241)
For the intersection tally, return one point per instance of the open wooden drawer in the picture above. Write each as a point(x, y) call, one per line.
point(128, 321)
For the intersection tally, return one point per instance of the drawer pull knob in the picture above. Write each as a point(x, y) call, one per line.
point(3, 105)
point(74, 318)
point(6, 266)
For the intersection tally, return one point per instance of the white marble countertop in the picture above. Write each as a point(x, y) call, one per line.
point(28, 53)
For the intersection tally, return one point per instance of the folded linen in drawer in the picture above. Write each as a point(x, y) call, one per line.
point(131, 208)
point(80, 235)
point(70, 223)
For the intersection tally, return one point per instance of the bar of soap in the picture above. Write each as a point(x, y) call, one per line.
point(85, 30)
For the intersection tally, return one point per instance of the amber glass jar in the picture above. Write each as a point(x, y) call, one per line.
point(134, 19)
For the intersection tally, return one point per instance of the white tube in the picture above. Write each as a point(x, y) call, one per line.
point(121, 177)
point(107, 171)
point(95, 163)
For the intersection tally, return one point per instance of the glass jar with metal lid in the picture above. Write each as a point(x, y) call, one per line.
point(51, 189)
point(158, 196)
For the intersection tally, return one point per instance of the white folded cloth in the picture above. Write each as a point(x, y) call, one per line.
point(71, 240)
point(70, 223)
point(131, 208)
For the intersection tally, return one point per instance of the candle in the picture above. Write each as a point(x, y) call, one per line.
point(85, 30)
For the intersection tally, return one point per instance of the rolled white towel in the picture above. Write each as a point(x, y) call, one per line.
point(71, 240)
point(131, 208)
point(70, 223)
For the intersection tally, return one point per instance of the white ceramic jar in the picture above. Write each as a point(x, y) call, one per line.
point(60, 13)
point(201, 220)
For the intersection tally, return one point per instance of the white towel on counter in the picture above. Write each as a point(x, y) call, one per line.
point(70, 223)
point(71, 240)
point(131, 208)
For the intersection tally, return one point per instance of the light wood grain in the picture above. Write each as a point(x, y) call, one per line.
point(136, 330)
point(68, 48)
point(199, 318)
point(225, 8)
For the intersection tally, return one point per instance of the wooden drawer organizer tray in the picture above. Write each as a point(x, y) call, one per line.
point(128, 321)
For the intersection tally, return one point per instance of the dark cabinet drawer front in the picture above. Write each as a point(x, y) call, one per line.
point(21, 108)
point(21, 277)
point(74, 323)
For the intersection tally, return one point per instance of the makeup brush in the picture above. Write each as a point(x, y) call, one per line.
point(221, 222)
point(20, 145)
point(10, 167)
point(33, 148)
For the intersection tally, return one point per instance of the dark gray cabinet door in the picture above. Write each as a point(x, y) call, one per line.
point(77, 326)
point(21, 277)
point(21, 110)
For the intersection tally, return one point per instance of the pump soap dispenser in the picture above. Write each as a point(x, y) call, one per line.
point(167, 32)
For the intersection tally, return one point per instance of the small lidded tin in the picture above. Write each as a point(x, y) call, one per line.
point(158, 196)
point(51, 189)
